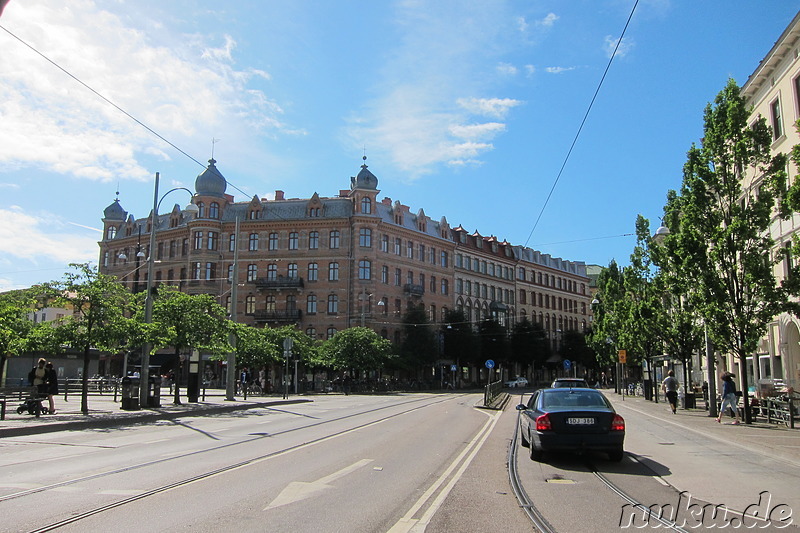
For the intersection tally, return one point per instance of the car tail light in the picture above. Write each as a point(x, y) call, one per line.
point(618, 424)
point(543, 423)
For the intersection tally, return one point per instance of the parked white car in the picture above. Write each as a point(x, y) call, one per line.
point(519, 381)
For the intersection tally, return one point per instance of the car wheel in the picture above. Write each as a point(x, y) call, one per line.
point(20, 410)
point(616, 455)
point(536, 455)
point(523, 440)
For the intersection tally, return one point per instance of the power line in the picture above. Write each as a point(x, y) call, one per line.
point(580, 128)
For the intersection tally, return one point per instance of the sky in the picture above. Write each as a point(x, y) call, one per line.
point(467, 109)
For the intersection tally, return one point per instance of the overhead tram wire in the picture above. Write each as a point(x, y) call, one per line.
point(583, 122)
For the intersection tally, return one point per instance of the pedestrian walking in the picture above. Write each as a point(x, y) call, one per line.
point(670, 388)
point(52, 386)
point(729, 398)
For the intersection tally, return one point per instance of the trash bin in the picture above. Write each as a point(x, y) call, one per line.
point(648, 389)
point(689, 401)
point(129, 388)
point(154, 391)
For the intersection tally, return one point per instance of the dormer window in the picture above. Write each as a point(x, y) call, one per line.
point(366, 206)
point(111, 232)
point(314, 212)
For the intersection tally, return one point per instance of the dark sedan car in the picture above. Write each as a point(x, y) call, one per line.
point(571, 419)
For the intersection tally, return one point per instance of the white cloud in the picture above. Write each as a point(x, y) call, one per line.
point(548, 21)
point(491, 107)
point(507, 69)
point(477, 131)
point(430, 97)
point(43, 237)
point(52, 122)
point(625, 46)
point(529, 70)
point(522, 24)
point(558, 70)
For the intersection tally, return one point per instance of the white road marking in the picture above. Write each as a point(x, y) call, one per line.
point(408, 523)
point(298, 490)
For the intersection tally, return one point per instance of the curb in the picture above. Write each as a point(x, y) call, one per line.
point(144, 416)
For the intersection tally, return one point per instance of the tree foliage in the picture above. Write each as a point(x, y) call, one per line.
point(101, 308)
point(720, 222)
point(358, 349)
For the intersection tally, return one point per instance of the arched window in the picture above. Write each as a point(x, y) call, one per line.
point(213, 210)
point(313, 272)
point(294, 240)
point(331, 332)
point(250, 305)
point(253, 242)
point(311, 305)
point(111, 232)
point(313, 240)
point(201, 209)
point(333, 240)
point(311, 332)
point(333, 304)
point(291, 270)
point(272, 272)
point(270, 304)
point(366, 206)
point(252, 272)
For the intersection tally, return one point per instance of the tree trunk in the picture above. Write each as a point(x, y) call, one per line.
point(177, 371)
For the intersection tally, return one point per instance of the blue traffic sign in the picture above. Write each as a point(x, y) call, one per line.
point(489, 363)
point(567, 364)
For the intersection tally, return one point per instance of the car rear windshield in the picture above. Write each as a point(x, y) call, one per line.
point(572, 398)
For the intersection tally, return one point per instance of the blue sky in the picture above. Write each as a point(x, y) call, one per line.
point(464, 108)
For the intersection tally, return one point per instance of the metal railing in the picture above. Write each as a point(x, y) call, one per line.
point(491, 392)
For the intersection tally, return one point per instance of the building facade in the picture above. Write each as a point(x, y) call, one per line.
point(322, 264)
point(773, 90)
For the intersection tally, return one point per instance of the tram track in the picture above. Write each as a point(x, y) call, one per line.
point(539, 520)
point(423, 403)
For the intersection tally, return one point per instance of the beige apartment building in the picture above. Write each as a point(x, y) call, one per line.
point(774, 92)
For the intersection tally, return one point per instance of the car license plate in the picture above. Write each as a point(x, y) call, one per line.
point(580, 421)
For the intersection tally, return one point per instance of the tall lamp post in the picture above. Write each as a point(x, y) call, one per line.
point(148, 302)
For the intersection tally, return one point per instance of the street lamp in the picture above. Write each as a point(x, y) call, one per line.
point(364, 298)
point(191, 209)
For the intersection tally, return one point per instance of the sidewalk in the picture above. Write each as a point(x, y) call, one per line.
point(105, 412)
point(774, 440)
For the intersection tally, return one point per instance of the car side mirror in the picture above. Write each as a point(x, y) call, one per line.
point(521, 407)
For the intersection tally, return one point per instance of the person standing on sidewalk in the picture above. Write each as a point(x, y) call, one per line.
point(52, 386)
point(729, 398)
point(670, 388)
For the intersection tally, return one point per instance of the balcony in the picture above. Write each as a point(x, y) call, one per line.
point(283, 316)
point(280, 282)
point(413, 290)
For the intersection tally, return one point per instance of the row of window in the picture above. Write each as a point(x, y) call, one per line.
point(478, 312)
point(552, 302)
point(484, 267)
point(423, 253)
point(489, 268)
point(481, 290)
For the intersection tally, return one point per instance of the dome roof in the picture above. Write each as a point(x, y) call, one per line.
point(365, 178)
point(114, 211)
point(210, 182)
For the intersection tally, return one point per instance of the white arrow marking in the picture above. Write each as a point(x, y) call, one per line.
point(300, 490)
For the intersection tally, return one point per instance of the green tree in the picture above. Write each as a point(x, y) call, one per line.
point(254, 348)
point(460, 342)
point(574, 348)
point(720, 224)
point(609, 312)
point(529, 345)
point(644, 322)
point(357, 349)
point(189, 321)
point(15, 324)
point(494, 342)
point(100, 307)
point(419, 346)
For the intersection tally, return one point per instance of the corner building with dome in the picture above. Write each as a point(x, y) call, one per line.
point(324, 264)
